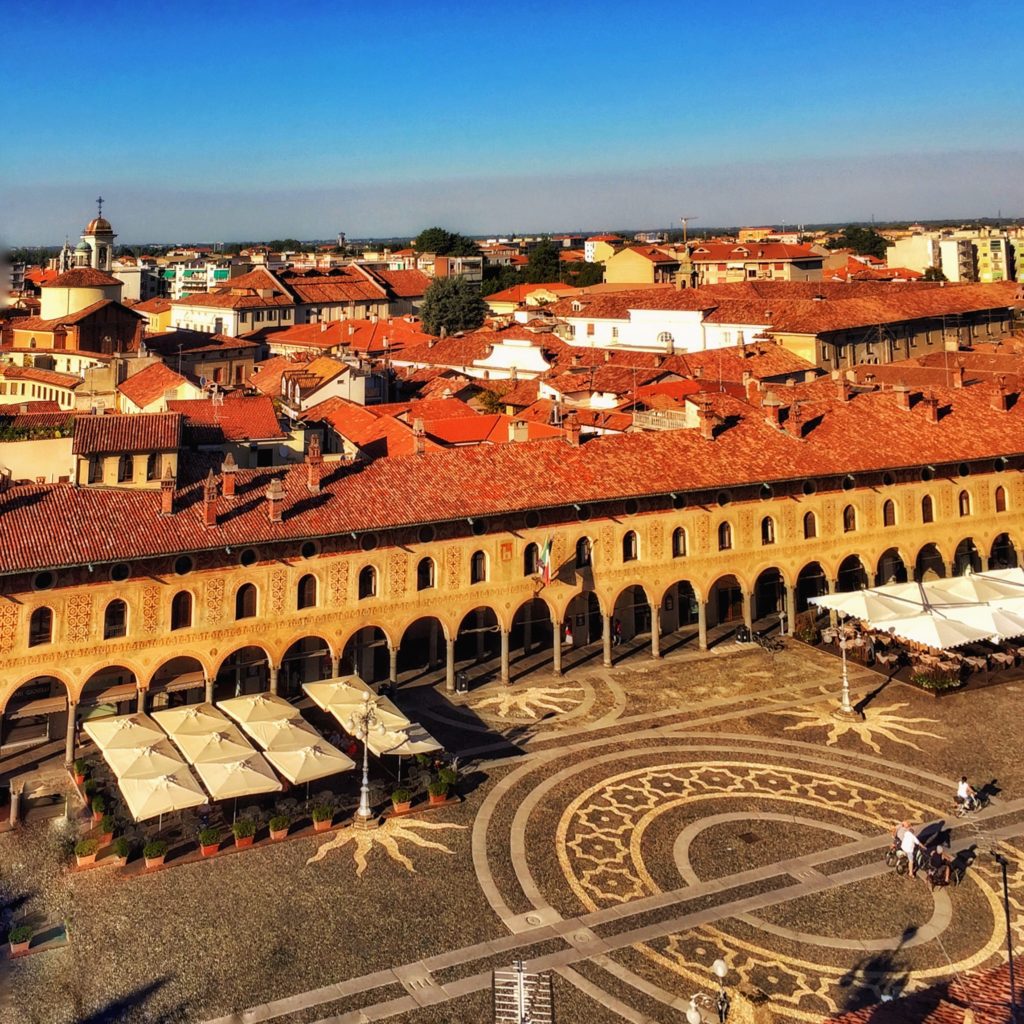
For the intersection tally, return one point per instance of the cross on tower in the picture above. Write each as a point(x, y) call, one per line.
point(99, 206)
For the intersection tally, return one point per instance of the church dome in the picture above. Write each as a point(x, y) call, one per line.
point(98, 225)
point(83, 245)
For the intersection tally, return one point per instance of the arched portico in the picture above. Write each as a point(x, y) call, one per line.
point(181, 680)
point(1003, 553)
point(811, 581)
point(851, 575)
point(728, 604)
point(771, 599)
point(307, 660)
point(365, 654)
point(35, 715)
point(247, 670)
point(966, 557)
point(891, 568)
point(929, 564)
point(422, 647)
point(112, 690)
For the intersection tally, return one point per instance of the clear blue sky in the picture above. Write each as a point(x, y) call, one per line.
point(257, 120)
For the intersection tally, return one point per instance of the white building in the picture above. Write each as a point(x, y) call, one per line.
point(916, 252)
point(957, 259)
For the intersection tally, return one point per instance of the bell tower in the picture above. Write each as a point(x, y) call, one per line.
point(99, 236)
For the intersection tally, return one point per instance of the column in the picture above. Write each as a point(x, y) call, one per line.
point(702, 624)
point(556, 649)
point(274, 672)
point(69, 742)
point(393, 665)
point(143, 695)
point(748, 619)
point(449, 671)
point(831, 587)
point(790, 608)
point(606, 639)
point(208, 685)
point(655, 631)
point(504, 657)
point(15, 802)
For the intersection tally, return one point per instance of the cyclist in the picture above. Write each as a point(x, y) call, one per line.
point(938, 867)
point(965, 795)
point(910, 844)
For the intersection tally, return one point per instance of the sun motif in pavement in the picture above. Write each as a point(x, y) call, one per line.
point(877, 723)
point(389, 837)
point(532, 701)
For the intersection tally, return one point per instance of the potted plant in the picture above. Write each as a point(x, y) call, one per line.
point(323, 817)
point(154, 852)
point(449, 776)
point(99, 807)
point(279, 826)
point(106, 830)
point(244, 831)
point(438, 792)
point(20, 939)
point(121, 850)
point(209, 841)
point(85, 851)
point(90, 788)
point(401, 800)
point(79, 768)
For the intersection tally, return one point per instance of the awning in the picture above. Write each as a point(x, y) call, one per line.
point(43, 706)
point(185, 681)
point(111, 695)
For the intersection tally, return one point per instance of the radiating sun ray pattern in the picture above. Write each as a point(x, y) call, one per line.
point(531, 701)
point(389, 837)
point(877, 723)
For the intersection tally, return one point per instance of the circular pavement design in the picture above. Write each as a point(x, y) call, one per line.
point(600, 824)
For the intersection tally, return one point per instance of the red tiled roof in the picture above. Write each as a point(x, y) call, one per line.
point(406, 284)
point(488, 429)
point(148, 385)
point(82, 277)
point(341, 284)
point(167, 343)
point(424, 409)
point(39, 276)
point(453, 351)
point(156, 305)
point(751, 252)
point(519, 292)
point(378, 436)
point(37, 323)
point(146, 432)
point(31, 373)
point(26, 415)
point(238, 418)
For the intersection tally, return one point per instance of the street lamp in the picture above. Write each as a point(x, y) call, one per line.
point(848, 635)
point(359, 724)
point(1004, 864)
point(720, 1005)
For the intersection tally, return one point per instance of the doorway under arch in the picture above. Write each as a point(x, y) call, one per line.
point(244, 671)
point(929, 564)
point(891, 568)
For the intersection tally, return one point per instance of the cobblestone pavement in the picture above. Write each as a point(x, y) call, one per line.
point(621, 827)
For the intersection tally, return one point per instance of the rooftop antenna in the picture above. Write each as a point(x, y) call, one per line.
point(685, 220)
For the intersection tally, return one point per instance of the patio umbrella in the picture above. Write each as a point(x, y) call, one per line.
point(974, 588)
point(195, 719)
point(225, 780)
point(416, 741)
point(161, 794)
point(342, 699)
point(225, 746)
point(281, 732)
point(934, 631)
point(871, 605)
point(144, 762)
point(997, 621)
point(258, 707)
point(124, 731)
point(309, 761)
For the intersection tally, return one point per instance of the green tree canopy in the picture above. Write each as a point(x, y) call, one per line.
point(444, 243)
point(452, 304)
point(497, 279)
point(581, 274)
point(543, 266)
point(934, 274)
point(863, 241)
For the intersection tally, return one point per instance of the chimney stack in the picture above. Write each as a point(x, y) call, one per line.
point(772, 407)
point(931, 407)
point(958, 376)
point(275, 499)
point(210, 500)
point(228, 469)
point(571, 424)
point(314, 460)
point(842, 390)
point(707, 420)
point(902, 393)
point(167, 493)
point(1001, 400)
point(418, 436)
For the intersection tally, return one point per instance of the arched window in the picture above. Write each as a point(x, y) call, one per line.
point(583, 553)
point(927, 509)
point(849, 519)
point(367, 582)
point(810, 526)
point(40, 627)
point(115, 619)
point(478, 567)
point(678, 542)
point(629, 546)
point(425, 574)
point(724, 536)
point(964, 501)
point(245, 601)
point(888, 513)
point(1000, 499)
point(125, 469)
point(306, 593)
point(767, 530)
point(665, 338)
point(531, 560)
point(181, 610)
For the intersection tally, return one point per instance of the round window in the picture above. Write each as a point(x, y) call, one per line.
point(849, 482)
point(678, 501)
point(120, 572)
point(928, 473)
point(308, 549)
point(810, 487)
point(723, 498)
point(1001, 463)
point(44, 580)
point(631, 506)
point(583, 513)
point(963, 469)
point(767, 492)
point(368, 541)
point(183, 565)
point(888, 479)
point(532, 519)
point(426, 534)
point(247, 557)
point(479, 527)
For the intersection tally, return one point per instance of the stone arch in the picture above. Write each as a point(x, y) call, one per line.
point(421, 645)
point(110, 690)
point(1003, 553)
point(35, 712)
point(584, 616)
point(477, 637)
point(851, 574)
point(632, 609)
point(891, 568)
point(244, 670)
point(725, 600)
point(531, 627)
point(178, 680)
point(307, 659)
point(811, 581)
point(680, 606)
point(365, 653)
point(768, 595)
point(929, 563)
point(966, 557)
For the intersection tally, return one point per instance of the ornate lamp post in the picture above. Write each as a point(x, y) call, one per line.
point(720, 1004)
point(1004, 864)
point(360, 724)
point(847, 634)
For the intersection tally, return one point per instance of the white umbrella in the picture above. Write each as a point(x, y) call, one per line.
point(996, 621)
point(153, 797)
point(281, 732)
point(123, 731)
point(972, 588)
point(222, 747)
point(144, 762)
point(870, 605)
point(194, 719)
point(309, 761)
point(342, 699)
point(245, 777)
point(416, 741)
point(258, 707)
point(934, 631)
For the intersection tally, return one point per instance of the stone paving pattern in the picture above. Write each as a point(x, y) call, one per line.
point(631, 824)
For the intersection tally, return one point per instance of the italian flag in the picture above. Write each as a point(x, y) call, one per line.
point(544, 561)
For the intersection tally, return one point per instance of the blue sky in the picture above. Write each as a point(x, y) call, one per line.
point(255, 120)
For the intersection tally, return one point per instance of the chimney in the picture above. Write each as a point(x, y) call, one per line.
point(210, 500)
point(842, 390)
point(228, 469)
point(167, 493)
point(902, 393)
point(931, 407)
point(417, 435)
point(958, 376)
point(707, 420)
point(313, 462)
point(772, 407)
point(752, 386)
point(275, 498)
point(1001, 400)
point(518, 430)
point(571, 425)
point(575, 360)
point(795, 420)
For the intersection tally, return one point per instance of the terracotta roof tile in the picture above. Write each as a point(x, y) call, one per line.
point(82, 277)
point(148, 385)
point(108, 435)
point(237, 418)
point(37, 376)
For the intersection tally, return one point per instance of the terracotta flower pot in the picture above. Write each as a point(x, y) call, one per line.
point(98, 815)
point(155, 862)
point(79, 780)
point(209, 851)
point(81, 859)
point(120, 861)
point(106, 839)
point(279, 833)
point(440, 798)
point(401, 806)
point(322, 826)
point(20, 948)
point(243, 842)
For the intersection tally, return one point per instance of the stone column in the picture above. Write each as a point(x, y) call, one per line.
point(208, 684)
point(790, 608)
point(606, 639)
point(748, 618)
point(655, 630)
point(556, 648)
point(702, 624)
point(69, 742)
point(274, 673)
point(831, 587)
point(393, 665)
point(505, 675)
point(449, 672)
point(15, 803)
point(143, 696)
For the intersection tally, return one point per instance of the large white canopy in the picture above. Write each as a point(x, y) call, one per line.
point(161, 794)
point(123, 731)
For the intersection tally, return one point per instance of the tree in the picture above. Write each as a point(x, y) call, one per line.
point(934, 274)
point(497, 279)
point(452, 304)
point(582, 275)
point(444, 243)
point(863, 241)
point(543, 266)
